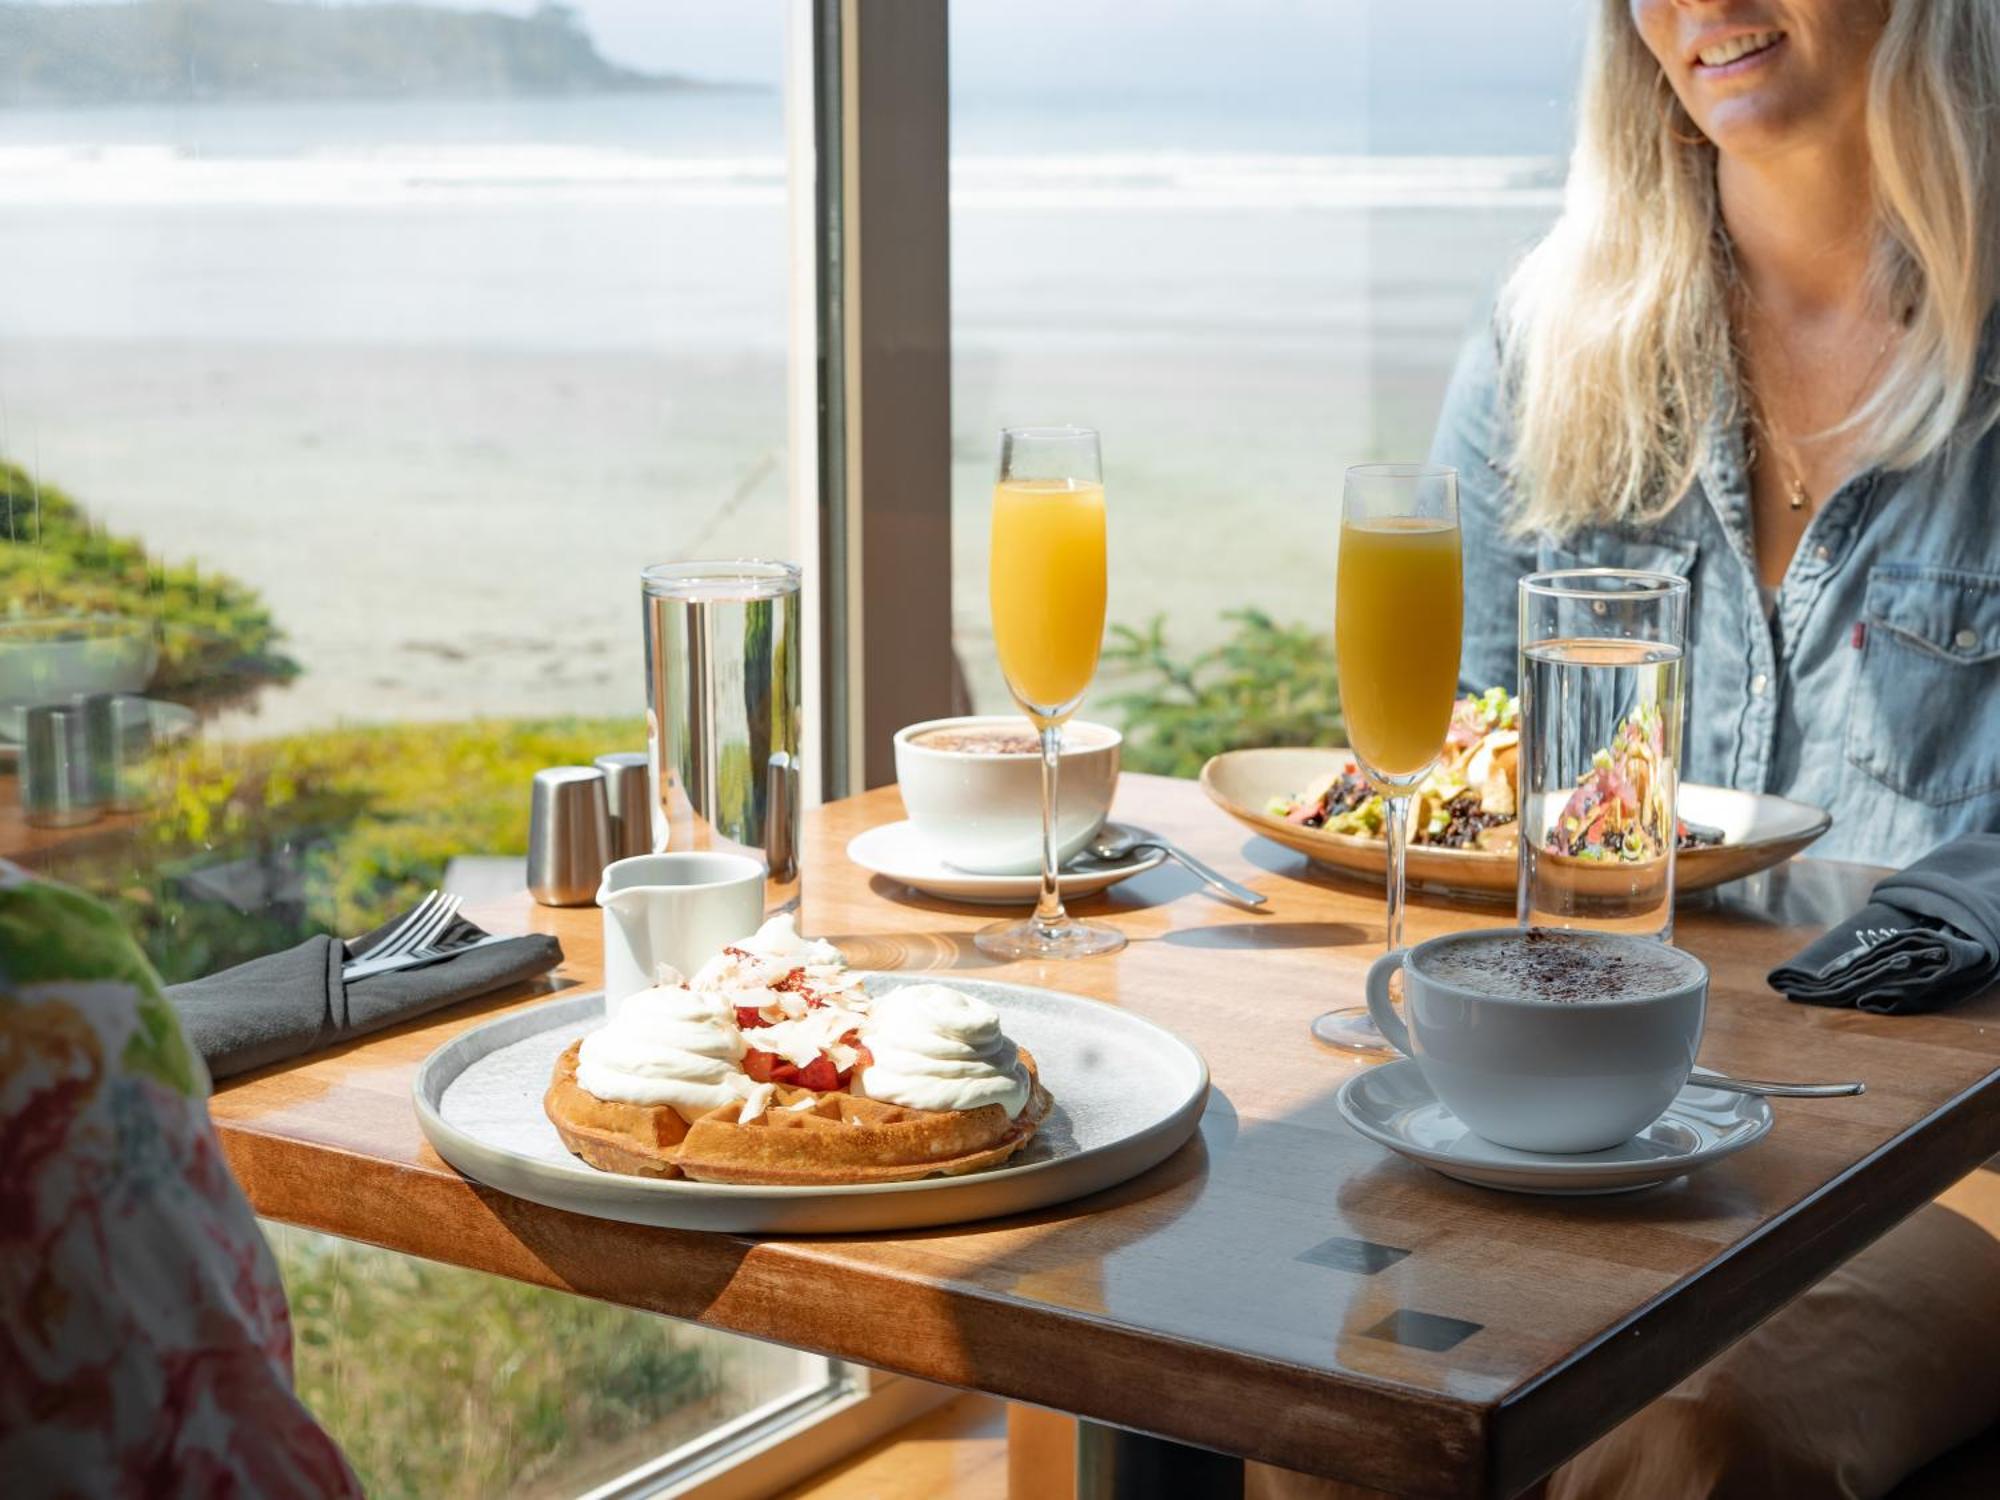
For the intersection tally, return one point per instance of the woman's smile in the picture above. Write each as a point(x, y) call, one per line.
point(1735, 53)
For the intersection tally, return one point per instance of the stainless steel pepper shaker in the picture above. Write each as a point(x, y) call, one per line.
point(569, 835)
point(631, 801)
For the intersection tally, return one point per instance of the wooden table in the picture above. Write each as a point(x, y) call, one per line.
point(1282, 1289)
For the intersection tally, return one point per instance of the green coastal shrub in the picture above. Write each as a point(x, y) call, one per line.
point(217, 640)
point(1265, 684)
point(328, 831)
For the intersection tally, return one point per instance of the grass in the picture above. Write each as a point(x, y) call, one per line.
point(446, 1384)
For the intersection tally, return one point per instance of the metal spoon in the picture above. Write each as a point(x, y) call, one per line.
point(1776, 1090)
point(1115, 843)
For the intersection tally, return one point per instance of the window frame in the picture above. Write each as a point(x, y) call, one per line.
point(783, 1442)
point(871, 470)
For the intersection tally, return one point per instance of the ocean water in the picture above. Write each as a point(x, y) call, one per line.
point(537, 344)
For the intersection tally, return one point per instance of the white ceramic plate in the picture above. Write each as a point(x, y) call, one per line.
point(1758, 831)
point(1393, 1106)
point(479, 1100)
point(899, 852)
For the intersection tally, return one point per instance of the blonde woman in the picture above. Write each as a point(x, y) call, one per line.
point(1759, 349)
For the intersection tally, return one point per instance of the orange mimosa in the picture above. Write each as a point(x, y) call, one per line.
point(1047, 584)
point(1396, 634)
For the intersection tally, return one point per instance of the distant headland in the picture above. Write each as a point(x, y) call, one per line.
point(182, 51)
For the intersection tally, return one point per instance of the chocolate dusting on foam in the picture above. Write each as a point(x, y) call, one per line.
point(1559, 967)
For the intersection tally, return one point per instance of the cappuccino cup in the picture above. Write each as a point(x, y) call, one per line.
point(973, 788)
point(1543, 1040)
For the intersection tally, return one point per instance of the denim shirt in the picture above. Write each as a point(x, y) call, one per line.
point(1873, 687)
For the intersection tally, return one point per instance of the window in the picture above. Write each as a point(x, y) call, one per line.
point(444, 1383)
point(1246, 245)
point(370, 389)
point(361, 357)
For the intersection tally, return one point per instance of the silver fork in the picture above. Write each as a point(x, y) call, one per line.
point(418, 930)
point(419, 959)
point(394, 941)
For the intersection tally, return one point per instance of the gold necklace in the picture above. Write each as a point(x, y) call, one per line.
point(1795, 484)
point(1796, 495)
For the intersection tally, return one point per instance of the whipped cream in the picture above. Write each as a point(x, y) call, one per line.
point(778, 941)
point(934, 1047)
point(749, 973)
point(667, 1045)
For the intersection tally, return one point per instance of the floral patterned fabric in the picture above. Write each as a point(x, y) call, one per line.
point(145, 1345)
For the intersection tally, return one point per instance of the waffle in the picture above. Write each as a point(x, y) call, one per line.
point(637, 1139)
point(835, 1139)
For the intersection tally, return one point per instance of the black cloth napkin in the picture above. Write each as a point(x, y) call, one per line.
point(291, 1003)
point(1929, 937)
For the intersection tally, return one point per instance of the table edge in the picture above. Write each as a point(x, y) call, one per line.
point(1573, 1396)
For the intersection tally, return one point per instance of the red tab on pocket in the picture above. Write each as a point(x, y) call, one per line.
point(1859, 636)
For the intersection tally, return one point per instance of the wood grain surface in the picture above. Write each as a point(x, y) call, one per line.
point(1231, 1297)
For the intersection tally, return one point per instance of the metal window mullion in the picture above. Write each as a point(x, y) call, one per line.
point(885, 387)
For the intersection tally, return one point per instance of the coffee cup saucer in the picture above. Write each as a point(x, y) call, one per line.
point(1393, 1106)
point(899, 852)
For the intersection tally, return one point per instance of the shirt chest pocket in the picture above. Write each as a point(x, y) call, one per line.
point(1926, 704)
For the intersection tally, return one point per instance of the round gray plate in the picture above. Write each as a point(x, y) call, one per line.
point(1127, 1095)
point(1392, 1105)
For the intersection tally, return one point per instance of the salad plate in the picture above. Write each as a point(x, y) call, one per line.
point(1758, 831)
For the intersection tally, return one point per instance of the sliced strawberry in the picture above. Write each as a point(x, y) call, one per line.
point(819, 1075)
point(749, 1016)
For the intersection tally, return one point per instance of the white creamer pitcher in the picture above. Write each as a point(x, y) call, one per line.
point(678, 910)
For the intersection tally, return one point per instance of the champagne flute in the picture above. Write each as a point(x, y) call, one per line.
point(1398, 608)
point(1047, 585)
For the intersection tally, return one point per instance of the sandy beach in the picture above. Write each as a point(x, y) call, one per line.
point(441, 431)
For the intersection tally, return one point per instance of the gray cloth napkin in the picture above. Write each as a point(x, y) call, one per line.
point(1929, 937)
point(291, 1003)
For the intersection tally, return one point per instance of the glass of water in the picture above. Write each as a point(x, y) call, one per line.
point(723, 664)
point(1601, 710)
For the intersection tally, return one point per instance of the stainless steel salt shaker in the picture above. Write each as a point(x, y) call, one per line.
point(118, 728)
point(569, 835)
point(631, 802)
point(56, 787)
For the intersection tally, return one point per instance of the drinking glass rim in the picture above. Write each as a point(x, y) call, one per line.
point(1047, 433)
point(1556, 583)
point(762, 577)
point(1402, 471)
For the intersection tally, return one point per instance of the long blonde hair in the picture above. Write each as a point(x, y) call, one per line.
point(1616, 326)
